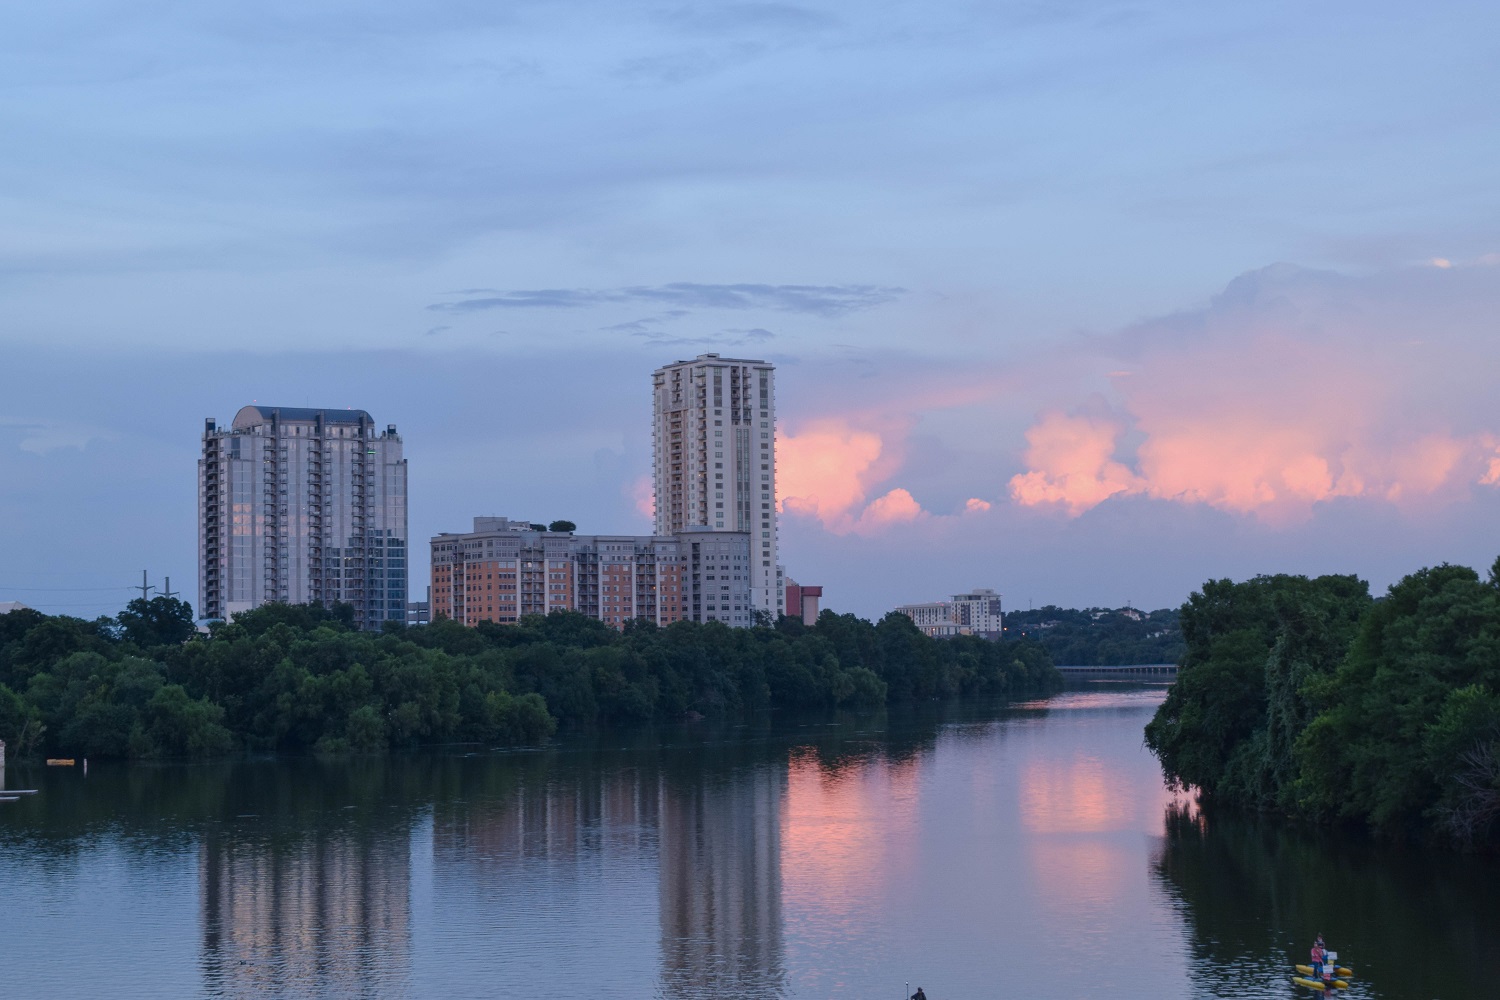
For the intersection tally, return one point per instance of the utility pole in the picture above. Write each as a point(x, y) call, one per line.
point(145, 587)
point(167, 590)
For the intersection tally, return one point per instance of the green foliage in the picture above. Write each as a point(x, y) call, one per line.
point(1095, 637)
point(161, 621)
point(302, 678)
point(562, 526)
point(1306, 697)
point(1415, 694)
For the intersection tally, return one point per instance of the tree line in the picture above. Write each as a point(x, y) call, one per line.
point(1309, 698)
point(298, 678)
point(1100, 637)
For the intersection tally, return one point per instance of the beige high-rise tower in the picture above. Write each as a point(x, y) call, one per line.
point(714, 449)
point(302, 505)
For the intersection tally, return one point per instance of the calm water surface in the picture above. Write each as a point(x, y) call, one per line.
point(1014, 851)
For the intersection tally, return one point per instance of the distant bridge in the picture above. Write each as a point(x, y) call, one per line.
point(1154, 671)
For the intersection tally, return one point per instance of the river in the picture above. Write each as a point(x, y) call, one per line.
point(1026, 850)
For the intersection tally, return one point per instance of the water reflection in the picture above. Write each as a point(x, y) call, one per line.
point(328, 912)
point(1414, 925)
point(720, 893)
point(980, 852)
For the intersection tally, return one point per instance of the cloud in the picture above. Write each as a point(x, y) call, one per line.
point(1293, 388)
point(727, 338)
point(738, 18)
point(1492, 475)
point(894, 507)
point(40, 436)
point(1069, 456)
point(825, 472)
point(816, 300)
point(643, 496)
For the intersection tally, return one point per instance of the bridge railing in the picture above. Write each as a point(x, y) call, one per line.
point(1128, 670)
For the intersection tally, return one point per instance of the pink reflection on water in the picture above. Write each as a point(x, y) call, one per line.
point(845, 832)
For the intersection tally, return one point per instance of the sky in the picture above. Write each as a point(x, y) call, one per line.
point(1087, 302)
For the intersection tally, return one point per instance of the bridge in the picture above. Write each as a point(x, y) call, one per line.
point(1144, 671)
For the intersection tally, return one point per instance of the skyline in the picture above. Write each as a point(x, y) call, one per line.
point(1086, 304)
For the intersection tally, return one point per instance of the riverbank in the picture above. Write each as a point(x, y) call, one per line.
point(299, 679)
point(1309, 699)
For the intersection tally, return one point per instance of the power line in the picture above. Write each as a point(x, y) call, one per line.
point(40, 606)
point(62, 590)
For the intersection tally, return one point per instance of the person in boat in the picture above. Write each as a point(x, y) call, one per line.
point(919, 995)
point(1317, 957)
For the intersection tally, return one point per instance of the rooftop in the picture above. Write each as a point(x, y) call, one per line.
point(249, 416)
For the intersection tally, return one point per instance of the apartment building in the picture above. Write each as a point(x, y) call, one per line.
point(976, 613)
point(505, 569)
point(302, 505)
point(714, 458)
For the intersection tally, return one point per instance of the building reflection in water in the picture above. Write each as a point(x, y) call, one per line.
point(720, 888)
point(691, 848)
point(321, 914)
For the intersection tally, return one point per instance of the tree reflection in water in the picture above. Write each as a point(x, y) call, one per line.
point(1254, 891)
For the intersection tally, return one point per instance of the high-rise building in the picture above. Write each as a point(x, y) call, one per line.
point(302, 505)
point(714, 449)
point(504, 569)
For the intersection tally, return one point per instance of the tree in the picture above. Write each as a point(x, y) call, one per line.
point(562, 526)
point(1412, 713)
point(161, 621)
point(1217, 730)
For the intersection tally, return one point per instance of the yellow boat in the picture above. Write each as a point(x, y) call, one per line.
point(1317, 984)
point(1341, 972)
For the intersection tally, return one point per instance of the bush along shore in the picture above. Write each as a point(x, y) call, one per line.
point(298, 678)
point(1311, 699)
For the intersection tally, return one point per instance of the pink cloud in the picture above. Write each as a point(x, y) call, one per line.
point(1070, 461)
point(642, 494)
point(895, 507)
point(820, 469)
point(1268, 406)
point(826, 470)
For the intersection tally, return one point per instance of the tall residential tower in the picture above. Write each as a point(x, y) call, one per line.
point(302, 505)
point(714, 447)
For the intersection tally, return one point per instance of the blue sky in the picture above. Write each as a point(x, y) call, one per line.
point(955, 227)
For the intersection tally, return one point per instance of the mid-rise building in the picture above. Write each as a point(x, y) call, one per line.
point(976, 613)
point(802, 601)
point(505, 569)
point(302, 506)
point(979, 612)
point(714, 459)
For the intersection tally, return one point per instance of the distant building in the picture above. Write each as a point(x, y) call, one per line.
point(802, 601)
point(934, 619)
point(505, 569)
point(714, 458)
point(6, 607)
point(418, 612)
point(302, 506)
point(977, 612)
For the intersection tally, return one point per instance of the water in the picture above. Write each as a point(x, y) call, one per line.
point(1008, 851)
